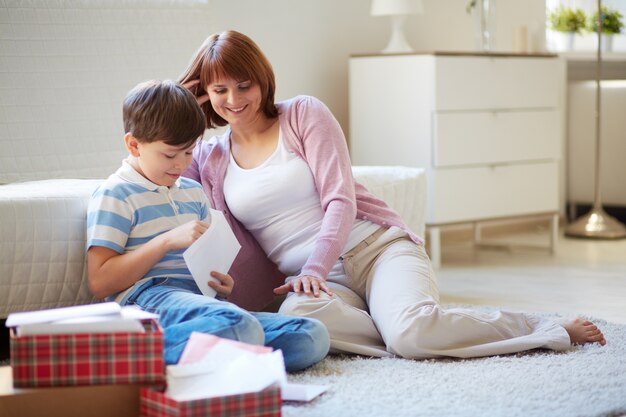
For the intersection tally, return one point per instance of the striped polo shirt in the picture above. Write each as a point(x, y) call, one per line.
point(128, 210)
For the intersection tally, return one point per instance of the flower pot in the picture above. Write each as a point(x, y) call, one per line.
point(564, 41)
point(607, 43)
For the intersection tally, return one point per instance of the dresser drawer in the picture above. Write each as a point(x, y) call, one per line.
point(496, 82)
point(471, 138)
point(477, 193)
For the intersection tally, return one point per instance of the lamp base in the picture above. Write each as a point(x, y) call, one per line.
point(397, 43)
point(596, 224)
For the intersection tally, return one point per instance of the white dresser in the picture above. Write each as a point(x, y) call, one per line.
point(486, 127)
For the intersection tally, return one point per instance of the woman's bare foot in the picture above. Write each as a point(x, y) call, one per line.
point(583, 331)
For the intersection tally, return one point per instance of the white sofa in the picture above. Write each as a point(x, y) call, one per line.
point(42, 233)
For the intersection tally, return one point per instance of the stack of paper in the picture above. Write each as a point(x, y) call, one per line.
point(225, 368)
point(91, 318)
point(211, 367)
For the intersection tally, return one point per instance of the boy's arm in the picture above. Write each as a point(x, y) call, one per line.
point(110, 272)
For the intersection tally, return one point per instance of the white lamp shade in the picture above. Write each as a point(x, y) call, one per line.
point(396, 7)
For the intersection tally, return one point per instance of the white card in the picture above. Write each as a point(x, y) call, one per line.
point(301, 392)
point(215, 250)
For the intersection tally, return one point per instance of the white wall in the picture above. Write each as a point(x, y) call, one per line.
point(309, 42)
point(65, 65)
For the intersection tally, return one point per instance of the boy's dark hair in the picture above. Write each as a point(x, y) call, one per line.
point(163, 111)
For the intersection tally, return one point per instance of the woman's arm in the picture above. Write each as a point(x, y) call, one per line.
point(324, 147)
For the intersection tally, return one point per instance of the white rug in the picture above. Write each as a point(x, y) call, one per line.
point(585, 381)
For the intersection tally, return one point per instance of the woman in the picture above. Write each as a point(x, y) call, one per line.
point(282, 174)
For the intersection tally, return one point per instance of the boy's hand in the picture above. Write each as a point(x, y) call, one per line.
point(193, 86)
point(226, 284)
point(184, 235)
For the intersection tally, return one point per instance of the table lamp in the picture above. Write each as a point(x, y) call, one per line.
point(398, 10)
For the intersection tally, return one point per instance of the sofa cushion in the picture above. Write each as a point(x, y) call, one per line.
point(42, 244)
point(403, 188)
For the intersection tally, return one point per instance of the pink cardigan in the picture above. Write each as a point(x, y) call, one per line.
point(312, 132)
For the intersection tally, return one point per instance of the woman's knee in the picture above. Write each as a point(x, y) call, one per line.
point(402, 344)
point(303, 305)
point(409, 337)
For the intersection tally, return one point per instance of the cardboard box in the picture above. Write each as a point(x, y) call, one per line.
point(266, 403)
point(88, 359)
point(92, 401)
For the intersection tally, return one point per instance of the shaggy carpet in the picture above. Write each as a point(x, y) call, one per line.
point(587, 380)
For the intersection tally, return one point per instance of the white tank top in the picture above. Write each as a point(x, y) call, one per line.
point(279, 204)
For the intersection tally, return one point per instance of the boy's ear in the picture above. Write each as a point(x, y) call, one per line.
point(132, 144)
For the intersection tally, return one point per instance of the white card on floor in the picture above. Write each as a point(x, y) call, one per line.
point(301, 392)
point(215, 250)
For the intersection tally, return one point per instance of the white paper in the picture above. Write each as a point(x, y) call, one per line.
point(224, 367)
point(135, 313)
point(215, 250)
point(301, 392)
point(54, 314)
point(214, 378)
point(95, 324)
point(93, 318)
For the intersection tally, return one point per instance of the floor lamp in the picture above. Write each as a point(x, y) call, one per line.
point(597, 224)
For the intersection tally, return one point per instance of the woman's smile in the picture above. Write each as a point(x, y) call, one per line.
point(236, 110)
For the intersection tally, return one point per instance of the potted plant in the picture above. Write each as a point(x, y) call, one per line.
point(568, 22)
point(611, 25)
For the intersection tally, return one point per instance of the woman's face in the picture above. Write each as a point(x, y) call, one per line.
point(237, 102)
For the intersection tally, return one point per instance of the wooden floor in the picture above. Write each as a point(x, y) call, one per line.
point(582, 277)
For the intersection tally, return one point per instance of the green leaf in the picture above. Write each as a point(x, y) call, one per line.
point(566, 19)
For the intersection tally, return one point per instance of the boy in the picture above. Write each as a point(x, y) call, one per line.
point(143, 217)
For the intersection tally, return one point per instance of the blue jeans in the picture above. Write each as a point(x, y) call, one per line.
point(182, 309)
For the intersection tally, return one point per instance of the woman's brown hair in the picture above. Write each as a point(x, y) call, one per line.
point(231, 54)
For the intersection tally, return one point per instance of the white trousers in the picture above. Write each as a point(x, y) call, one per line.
point(386, 302)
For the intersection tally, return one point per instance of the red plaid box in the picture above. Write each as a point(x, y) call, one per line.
point(88, 358)
point(266, 403)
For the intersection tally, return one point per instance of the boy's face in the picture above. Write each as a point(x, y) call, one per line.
point(159, 162)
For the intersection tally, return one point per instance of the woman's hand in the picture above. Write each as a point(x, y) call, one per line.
point(225, 287)
point(193, 86)
point(306, 283)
